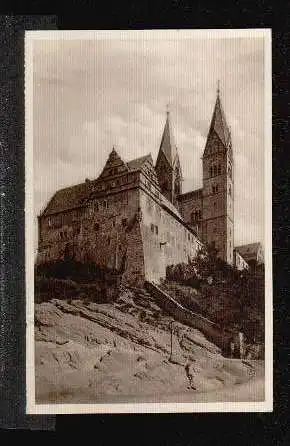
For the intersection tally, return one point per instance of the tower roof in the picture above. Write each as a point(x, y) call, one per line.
point(219, 123)
point(168, 146)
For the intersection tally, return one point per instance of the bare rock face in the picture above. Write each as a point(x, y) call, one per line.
point(124, 351)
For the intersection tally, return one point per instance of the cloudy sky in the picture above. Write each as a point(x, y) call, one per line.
point(89, 95)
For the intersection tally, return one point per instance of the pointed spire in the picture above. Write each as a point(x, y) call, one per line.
point(218, 122)
point(168, 146)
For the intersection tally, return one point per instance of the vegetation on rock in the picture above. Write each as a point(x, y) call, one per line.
point(234, 299)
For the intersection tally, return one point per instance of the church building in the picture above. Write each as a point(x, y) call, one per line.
point(134, 216)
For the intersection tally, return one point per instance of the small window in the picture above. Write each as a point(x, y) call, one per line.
point(230, 191)
point(105, 204)
point(109, 240)
point(124, 222)
point(152, 227)
point(219, 169)
point(96, 227)
point(214, 205)
point(61, 234)
point(211, 171)
point(214, 170)
point(156, 229)
point(49, 223)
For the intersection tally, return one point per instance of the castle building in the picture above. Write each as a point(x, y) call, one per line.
point(134, 216)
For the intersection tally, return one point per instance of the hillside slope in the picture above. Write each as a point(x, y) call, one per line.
point(121, 351)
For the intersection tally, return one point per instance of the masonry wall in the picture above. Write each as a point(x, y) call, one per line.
point(166, 241)
point(97, 232)
point(190, 207)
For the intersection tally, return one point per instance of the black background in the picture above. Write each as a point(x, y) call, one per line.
point(149, 429)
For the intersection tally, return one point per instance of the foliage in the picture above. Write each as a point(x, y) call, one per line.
point(234, 299)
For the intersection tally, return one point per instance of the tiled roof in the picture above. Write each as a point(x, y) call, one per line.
point(74, 196)
point(68, 198)
point(137, 163)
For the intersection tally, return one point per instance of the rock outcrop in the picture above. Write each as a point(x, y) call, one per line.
point(124, 351)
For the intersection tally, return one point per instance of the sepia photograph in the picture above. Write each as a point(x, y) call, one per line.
point(148, 221)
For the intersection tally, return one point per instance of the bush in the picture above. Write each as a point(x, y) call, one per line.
point(231, 298)
point(186, 296)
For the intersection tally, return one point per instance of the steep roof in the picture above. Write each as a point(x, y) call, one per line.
point(250, 251)
point(168, 146)
point(138, 162)
point(74, 196)
point(219, 123)
point(68, 198)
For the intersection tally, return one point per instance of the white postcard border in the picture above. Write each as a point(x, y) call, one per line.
point(31, 406)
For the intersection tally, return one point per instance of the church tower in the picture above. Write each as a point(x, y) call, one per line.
point(218, 186)
point(168, 166)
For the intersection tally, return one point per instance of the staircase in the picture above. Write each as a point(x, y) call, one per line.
point(210, 329)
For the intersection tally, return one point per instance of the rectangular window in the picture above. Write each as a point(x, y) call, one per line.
point(124, 222)
point(156, 229)
point(152, 227)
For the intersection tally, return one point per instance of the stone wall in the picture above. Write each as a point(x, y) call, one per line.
point(190, 207)
point(166, 240)
point(134, 230)
point(95, 232)
point(207, 327)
